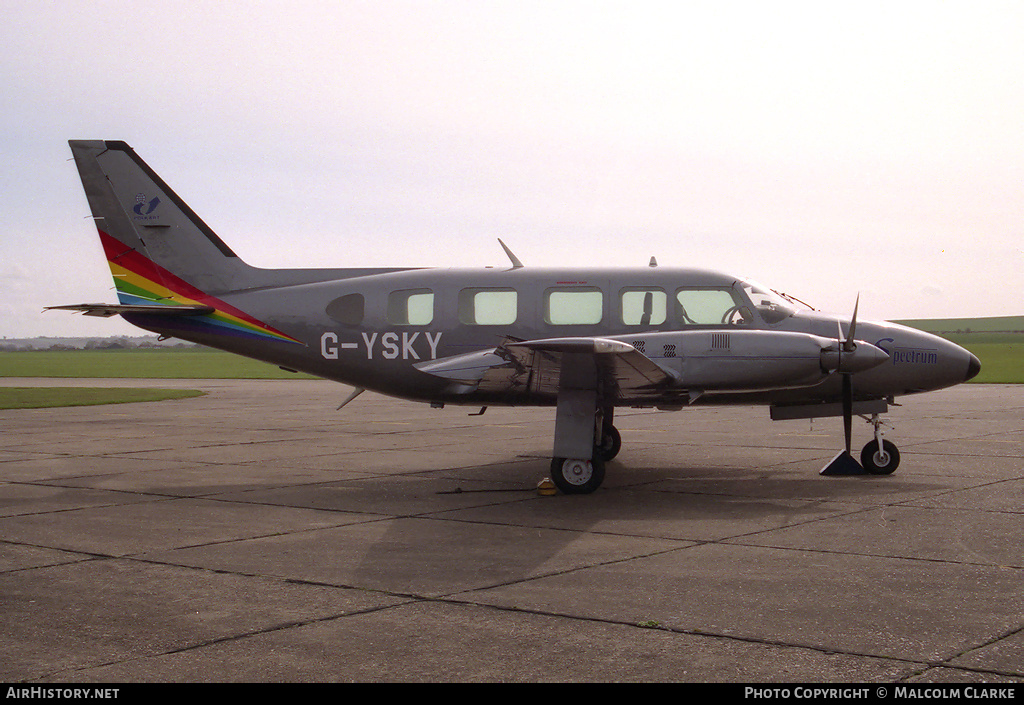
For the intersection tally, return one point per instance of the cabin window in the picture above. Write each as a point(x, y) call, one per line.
point(573, 307)
point(644, 307)
point(411, 307)
point(488, 307)
point(347, 309)
point(708, 307)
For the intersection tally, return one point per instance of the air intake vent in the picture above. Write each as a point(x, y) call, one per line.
point(670, 351)
point(719, 341)
point(639, 345)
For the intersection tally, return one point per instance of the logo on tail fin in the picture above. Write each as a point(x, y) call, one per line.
point(143, 208)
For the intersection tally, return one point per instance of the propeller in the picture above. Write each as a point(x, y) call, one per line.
point(848, 357)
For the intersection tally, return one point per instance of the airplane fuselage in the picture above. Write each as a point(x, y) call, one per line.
point(377, 331)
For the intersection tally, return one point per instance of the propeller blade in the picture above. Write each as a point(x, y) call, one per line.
point(848, 409)
point(848, 344)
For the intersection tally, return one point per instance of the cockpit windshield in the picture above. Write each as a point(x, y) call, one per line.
point(772, 307)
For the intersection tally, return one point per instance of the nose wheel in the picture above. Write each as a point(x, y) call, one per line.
point(880, 460)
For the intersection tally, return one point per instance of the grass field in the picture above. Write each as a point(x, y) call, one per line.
point(1001, 324)
point(45, 397)
point(1001, 363)
point(190, 363)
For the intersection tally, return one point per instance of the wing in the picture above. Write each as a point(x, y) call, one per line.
point(535, 367)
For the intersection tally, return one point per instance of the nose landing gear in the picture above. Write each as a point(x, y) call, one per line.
point(879, 457)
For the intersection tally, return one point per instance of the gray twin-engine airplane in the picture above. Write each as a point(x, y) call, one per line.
point(582, 340)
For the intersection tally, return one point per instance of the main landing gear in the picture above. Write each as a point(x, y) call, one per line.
point(585, 437)
point(584, 475)
point(577, 475)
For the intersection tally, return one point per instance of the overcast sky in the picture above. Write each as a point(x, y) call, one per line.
point(822, 148)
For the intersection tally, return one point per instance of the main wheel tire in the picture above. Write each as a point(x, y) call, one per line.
point(880, 463)
point(611, 444)
point(577, 475)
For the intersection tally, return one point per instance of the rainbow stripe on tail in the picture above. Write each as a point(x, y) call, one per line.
point(140, 282)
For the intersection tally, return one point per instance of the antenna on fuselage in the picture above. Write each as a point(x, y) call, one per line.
point(355, 393)
point(653, 262)
point(516, 264)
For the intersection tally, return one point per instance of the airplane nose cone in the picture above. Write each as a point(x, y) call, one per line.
point(973, 368)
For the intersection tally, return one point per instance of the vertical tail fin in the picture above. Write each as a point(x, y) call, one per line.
point(159, 250)
point(173, 275)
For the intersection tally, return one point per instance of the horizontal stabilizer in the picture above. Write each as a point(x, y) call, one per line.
point(108, 310)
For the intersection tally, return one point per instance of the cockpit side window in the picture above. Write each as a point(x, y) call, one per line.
point(709, 306)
